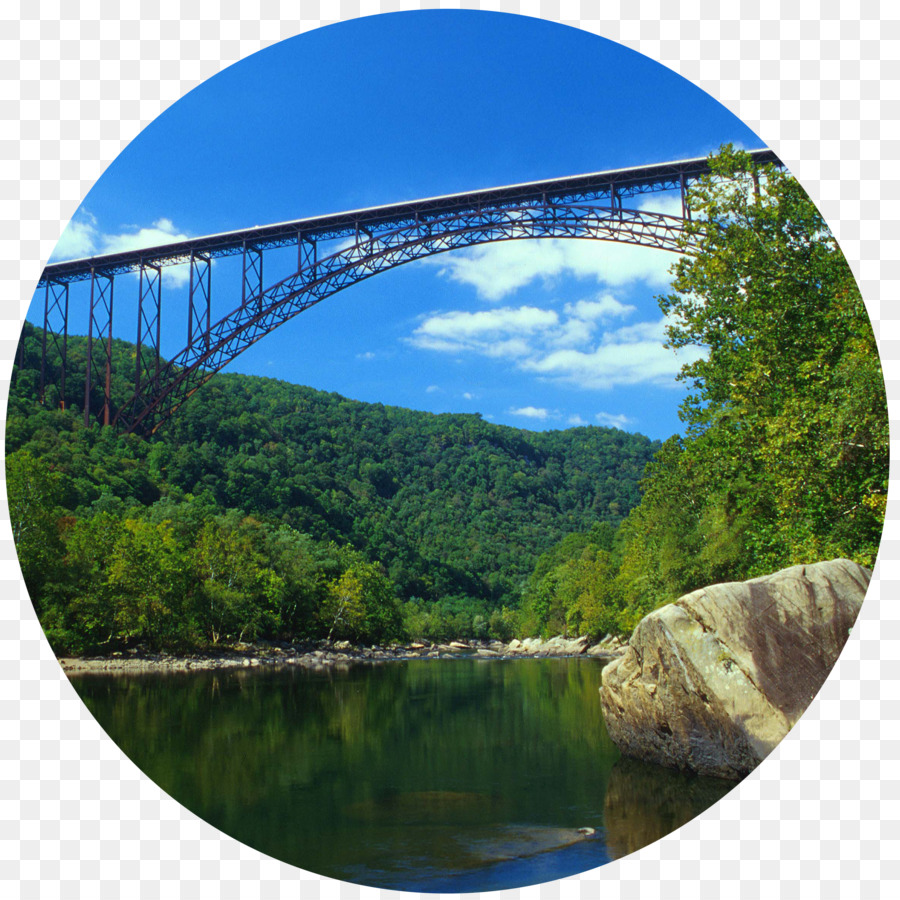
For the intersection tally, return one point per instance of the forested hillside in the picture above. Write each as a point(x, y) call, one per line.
point(451, 509)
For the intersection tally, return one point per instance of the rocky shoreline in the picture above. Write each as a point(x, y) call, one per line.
point(324, 654)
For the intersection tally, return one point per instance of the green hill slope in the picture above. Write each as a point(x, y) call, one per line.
point(455, 508)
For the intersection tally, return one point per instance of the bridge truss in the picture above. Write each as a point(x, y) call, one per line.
point(371, 240)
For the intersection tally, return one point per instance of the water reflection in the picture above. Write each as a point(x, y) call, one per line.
point(645, 802)
point(448, 775)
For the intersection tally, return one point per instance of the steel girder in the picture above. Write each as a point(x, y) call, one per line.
point(316, 279)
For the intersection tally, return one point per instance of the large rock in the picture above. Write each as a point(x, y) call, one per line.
point(712, 682)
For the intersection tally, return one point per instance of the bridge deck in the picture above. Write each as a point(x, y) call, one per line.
point(612, 185)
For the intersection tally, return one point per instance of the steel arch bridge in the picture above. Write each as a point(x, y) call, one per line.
point(372, 240)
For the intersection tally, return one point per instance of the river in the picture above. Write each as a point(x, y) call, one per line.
point(426, 775)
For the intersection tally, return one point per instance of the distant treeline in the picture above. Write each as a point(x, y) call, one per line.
point(268, 510)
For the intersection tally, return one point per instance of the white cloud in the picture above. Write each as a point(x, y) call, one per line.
point(82, 238)
point(530, 412)
point(161, 232)
point(562, 347)
point(613, 421)
point(630, 355)
point(468, 395)
point(367, 355)
point(77, 241)
point(495, 332)
point(497, 269)
point(432, 389)
point(669, 204)
point(602, 308)
point(575, 420)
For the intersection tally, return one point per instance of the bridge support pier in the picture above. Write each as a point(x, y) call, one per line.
point(307, 255)
point(253, 274)
point(146, 371)
point(100, 321)
point(199, 299)
point(56, 310)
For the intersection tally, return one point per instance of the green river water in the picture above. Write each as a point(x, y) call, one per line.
point(426, 775)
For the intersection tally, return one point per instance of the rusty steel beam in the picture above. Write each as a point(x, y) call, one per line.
point(56, 310)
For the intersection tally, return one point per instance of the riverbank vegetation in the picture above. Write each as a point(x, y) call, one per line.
point(268, 510)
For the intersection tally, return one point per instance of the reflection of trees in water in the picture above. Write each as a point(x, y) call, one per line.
point(290, 761)
point(645, 802)
point(164, 720)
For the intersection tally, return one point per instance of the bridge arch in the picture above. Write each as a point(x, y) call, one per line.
point(377, 239)
point(262, 313)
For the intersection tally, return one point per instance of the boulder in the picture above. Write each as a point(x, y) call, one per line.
point(712, 682)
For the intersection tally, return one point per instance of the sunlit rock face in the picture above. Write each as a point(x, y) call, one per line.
point(712, 682)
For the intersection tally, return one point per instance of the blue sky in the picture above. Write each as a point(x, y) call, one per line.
point(535, 334)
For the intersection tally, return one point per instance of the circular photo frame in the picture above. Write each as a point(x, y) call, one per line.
point(577, 505)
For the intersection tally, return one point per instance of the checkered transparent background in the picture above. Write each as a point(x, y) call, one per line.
point(818, 82)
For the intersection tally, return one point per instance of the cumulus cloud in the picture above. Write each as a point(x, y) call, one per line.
point(582, 346)
point(530, 412)
point(602, 308)
point(498, 269)
point(669, 204)
point(82, 238)
point(613, 421)
point(162, 231)
point(496, 332)
point(77, 241)
point(633, 354)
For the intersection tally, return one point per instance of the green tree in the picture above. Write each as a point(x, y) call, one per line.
point(34, 494)
point(360, 605)
point(238, 595)
point(147, 582)
point(785, 456)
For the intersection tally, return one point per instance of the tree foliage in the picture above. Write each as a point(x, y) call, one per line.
point(787, 427)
